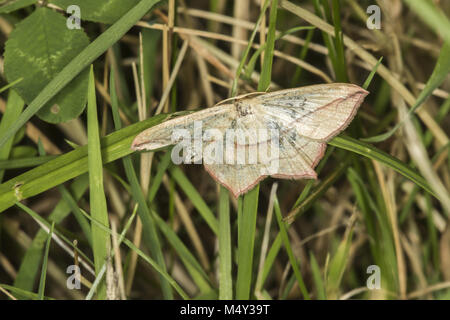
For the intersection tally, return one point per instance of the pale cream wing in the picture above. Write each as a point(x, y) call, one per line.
point(298, 156)
point(290, 157)
point(161, 135)
point(242, 167)
point(237, 178)
point(318, 112)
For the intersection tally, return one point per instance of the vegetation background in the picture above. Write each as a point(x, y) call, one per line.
point(138, 227)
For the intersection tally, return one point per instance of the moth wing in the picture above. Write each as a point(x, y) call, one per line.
point(318, 112)
point(162, 135)
point(237, 178)
point(290, 157)
point(239, 168)
point(298, 156)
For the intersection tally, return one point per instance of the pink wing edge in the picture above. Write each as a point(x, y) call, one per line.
point(362, 94)
point(237, 193)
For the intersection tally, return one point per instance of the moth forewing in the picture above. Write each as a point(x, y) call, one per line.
point(160, 136)
point(297, 122)
point(319, 112)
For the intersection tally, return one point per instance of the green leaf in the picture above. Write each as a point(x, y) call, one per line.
point(40, 46)
point(81, 61)
point(100, 238)
point(105, 11)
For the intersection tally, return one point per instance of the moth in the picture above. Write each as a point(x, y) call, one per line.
point(244, 139)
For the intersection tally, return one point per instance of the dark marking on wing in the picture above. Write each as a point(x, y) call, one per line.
point(243, 109)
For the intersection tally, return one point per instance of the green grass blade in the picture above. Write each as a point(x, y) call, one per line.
point(14, 107)
point(252, 61)
point(22, 294)
point(145, 257)
point(440, 73)
point(247, 49)
point(247, 213)
point(378, 227)
point(332, 55)
point(309, 185)
point(30, 265)
point(41, 221)
point(225, 261)
point(25, 162)
point(100, 275)
point(44, 264)
point(163, 165)
point(100, 239)
point(372, 74)
point(317, 192)
point(67, 197)
point(84, 224)
point(192, 265)
point(298, 72)
point(337, 265)
point(442, 113)
point(371, 152)
point(432, 16)
point(317, 277)
point(266, 72)
point(271, 256)
point(340, 68)
point(195, 198)
point(287, 246)
point(150, 233)
point(70, 165)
